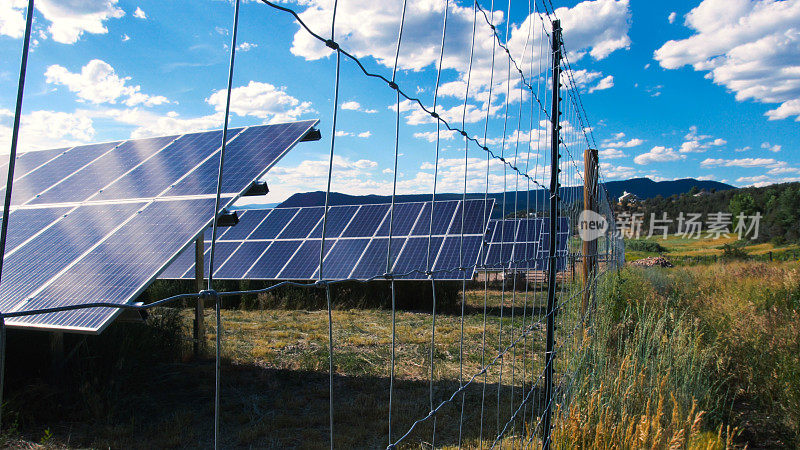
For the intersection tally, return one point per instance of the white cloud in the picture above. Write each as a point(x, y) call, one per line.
point(365, 134)
point(261, 100)
point(46, 129)
point(355, 106)
point(612, 172)
point(68, 20)
point(743, 149)
point(369, 29)
point(139, 13)
point(342, 133)
point(12, 18)
point(672, 17)
point(125, 38)
point(743, 162)
point(430, 136)
point(621, 143)
point(773, 148)
point(98, 83)
point(611, 153)
point(148, 123)
point(246, 46)
point(699, 143)
point(605, 83)
point(749, 47)
point(658, 154)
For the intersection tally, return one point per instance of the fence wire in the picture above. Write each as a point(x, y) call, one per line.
point(534, 363)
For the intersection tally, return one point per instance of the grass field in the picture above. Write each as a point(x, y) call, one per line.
point(703, 356)
point(682, 247)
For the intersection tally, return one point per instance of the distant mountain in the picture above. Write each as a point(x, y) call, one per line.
point(642, 187)
point(647, 188)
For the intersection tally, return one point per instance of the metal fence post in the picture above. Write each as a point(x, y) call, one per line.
point(555, 116)
point(199, 334)
point(589, 204)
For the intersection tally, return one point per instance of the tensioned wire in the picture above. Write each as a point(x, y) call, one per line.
point(485, 199)
point(463, 212)
point(429, 263)
point(216, 214)
point(336, 82)
point(503, 238)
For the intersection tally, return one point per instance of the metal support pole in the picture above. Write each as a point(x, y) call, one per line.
point(589, 204)
point(199, 334)
point(555, 116)
point(12, 157)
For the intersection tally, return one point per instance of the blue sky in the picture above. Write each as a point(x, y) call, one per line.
point(676, 89)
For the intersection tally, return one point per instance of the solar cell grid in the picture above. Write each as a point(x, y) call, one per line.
point(97, 223)
point(288, 251)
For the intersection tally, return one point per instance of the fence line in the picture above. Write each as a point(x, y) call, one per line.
point(567, 131)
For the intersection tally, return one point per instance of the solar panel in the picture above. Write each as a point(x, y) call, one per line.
point(285, 244)
point(98, 223)
point(524, 244)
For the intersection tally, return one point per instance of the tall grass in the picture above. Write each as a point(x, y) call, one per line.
point(692, 357)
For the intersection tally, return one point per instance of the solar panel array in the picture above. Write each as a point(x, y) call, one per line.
point(97, 223)
point(284, 243)
point(524, 244)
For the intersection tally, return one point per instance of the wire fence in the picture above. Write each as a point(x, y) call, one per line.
point(533, 100)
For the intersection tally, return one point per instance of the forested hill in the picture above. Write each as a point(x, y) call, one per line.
point(643, 188)
point(778, 204)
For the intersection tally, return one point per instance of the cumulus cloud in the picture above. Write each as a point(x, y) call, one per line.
point(368, 29)
point(773, 148)
point(261, 100)
point(68, 20)
point(618, 141)
point(46, 129)
point(743, 162)
point(148, 123)
point(355, 106)
point(699, 143)
point(430, 136)
point(658, 154)
point(97, 82)
point(605, 83)
point(139, 13)
point(612, 172)
point(672, 17)
point(246, 46)
point(611, 153)
point(749, 47)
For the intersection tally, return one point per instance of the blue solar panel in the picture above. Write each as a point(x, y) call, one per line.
point(527, 247)
point(248, 221)
point(56, 169)
point(475, 217)
point(270, 264)
point(158, 173)
point(455, 255)
point(341, 259)
point(241, 260)
point(115, 264)
point(338, 219)
point(275, 223)
point(302, 224)
point(101, 221)
point(248, 156)
point(293, 253)
point(366, 220)
point(415, 257)
point(102, 172)
point(402, 219)
point(373, 261)
point(443, 215)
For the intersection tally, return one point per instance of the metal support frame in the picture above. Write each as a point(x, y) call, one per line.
point(555, 159)
point(199, 331)
point(589, 204)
